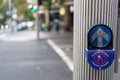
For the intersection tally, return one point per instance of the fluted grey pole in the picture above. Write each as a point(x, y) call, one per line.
point(10, 14)
point(37, 22)
point(87, 14)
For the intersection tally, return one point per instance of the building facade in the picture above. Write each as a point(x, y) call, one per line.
point(68, 17)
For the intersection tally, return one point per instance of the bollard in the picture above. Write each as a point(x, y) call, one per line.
point(88, 14)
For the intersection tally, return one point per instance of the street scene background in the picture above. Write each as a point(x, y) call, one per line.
point(36, 39)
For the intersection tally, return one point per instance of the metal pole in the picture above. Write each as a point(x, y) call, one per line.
point(116, 41)
point(37, 22)
point(88, 13)
point(10, 14)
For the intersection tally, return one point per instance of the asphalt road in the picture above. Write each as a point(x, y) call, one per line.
point(34, 60)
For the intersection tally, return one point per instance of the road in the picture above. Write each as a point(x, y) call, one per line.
point(32, 60)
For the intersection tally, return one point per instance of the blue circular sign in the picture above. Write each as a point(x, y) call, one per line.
point(100, 59)
point(100, 36)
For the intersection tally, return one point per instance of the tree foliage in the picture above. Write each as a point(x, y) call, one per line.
point(62, 2)
point(3, 9)
point(28, 15)
point(22, 9)
point(21, 6)
point(46, 3)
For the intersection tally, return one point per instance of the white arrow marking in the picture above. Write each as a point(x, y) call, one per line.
point(100, 34)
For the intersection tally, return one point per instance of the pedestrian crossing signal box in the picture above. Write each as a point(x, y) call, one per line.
point(100, 37)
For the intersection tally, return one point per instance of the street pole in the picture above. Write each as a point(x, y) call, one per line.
point(88, 13)
point(10, 14)
point(37, 21)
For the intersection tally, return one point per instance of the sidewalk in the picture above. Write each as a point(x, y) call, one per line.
point(32, 35)
point(54, 35)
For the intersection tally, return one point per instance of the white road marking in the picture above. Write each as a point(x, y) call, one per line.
point(62, 54)
point(119, 60)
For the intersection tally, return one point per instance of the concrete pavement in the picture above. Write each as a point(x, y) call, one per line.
point(29, 35)
point(18, 36)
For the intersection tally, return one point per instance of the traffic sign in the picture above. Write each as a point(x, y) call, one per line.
point(100, 37)
point(100, 59)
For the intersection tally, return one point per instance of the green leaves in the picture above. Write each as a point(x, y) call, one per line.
point(62, 1)
point(22, 9)
point(21, 6)
point(28, 15)
point(3, 9)
point(46, 3)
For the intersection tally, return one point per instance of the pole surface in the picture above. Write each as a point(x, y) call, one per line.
point(87, 14)
point(10, 12)
point(37, 22)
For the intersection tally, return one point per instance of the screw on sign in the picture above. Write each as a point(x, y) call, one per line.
point(100, 59)
point(100, 37)
point(100, 52)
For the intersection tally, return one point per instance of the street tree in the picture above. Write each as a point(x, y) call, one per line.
point(46, 4)
point(22, 9)
point(3, 10)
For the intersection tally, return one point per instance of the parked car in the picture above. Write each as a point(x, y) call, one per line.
point(22, 26)
point(30, 24)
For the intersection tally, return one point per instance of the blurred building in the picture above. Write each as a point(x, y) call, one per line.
point(68, 17)
point(63, 10)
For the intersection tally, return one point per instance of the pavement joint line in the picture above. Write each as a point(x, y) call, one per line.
point(61, 53)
